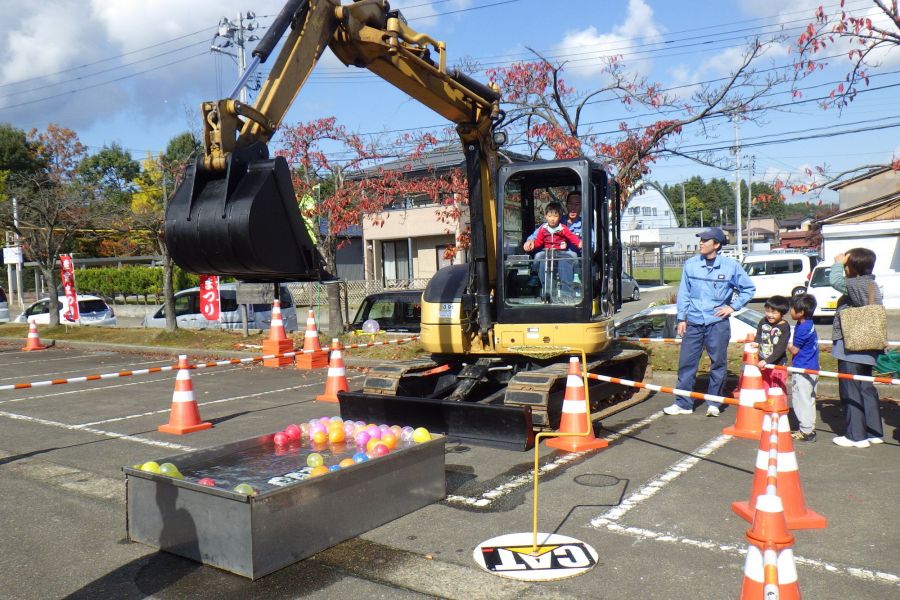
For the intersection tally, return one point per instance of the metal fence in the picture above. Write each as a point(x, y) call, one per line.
point(643, 260)
point(352, 292)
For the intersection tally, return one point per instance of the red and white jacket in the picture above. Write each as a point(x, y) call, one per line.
point(558, 238)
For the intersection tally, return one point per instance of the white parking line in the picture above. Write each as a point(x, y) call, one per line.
point(515, 483)
point(100, 432)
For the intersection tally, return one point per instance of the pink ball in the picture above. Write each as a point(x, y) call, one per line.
point(208, 482)
point(362, 438)
point(374, 432)
point(380, 449)
point(317, 427)
point(293, 432)
point(349, 428)
point(281, 439)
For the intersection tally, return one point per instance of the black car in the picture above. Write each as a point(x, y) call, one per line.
point(399, 311)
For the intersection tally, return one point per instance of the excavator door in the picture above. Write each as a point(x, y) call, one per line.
point(244, 222)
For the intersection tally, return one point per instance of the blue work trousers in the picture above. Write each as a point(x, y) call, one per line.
point(714, 339)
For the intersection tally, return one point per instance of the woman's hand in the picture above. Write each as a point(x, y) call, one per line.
point(840, 258)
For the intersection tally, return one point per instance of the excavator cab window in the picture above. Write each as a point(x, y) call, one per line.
point(542, 263)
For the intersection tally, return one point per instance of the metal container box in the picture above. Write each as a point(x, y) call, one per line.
point(257, 535)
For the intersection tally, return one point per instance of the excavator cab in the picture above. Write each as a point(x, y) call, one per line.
point(242, 222)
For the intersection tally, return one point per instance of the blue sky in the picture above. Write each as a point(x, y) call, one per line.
point(133, 72)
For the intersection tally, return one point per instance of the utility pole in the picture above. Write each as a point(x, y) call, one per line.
point(683, 206)
point(751, 169)
point(232, 33)
point(738, 226)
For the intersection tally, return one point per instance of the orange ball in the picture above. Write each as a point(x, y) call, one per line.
point(336, 436)
point(320, 470)
point(389, 440)
point(347, 462)
point(319, 437)
point(370, 445)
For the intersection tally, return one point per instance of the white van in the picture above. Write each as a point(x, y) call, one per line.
point(259, 316)
point(779, 274)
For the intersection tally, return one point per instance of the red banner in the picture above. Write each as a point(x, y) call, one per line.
point(209, 297)
point(67, 277)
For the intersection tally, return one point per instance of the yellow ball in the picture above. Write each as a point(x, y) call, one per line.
point(170, 470)
point(347, 462)
point(150, 467)
point(320, 470)
point(421, 435)
point(315, 460)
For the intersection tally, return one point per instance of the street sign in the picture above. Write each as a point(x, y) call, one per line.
point(12, 255)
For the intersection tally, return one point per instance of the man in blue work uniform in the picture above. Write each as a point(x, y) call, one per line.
point(712, 287)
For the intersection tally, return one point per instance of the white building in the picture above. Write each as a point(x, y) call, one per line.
point(647, 208)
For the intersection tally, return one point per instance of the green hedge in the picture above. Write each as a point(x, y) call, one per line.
point(130, 281)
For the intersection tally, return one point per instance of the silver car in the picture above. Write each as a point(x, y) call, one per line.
point(630, 289)
point(188, 316)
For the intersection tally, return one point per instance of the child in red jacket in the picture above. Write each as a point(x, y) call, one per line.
point(552, 235)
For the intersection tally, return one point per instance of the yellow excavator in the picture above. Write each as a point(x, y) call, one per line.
point(499, 328)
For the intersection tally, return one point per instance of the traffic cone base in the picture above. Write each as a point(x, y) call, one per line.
point(313, 356)
point(337, 376)
point(277, 347)
point(33, 341)
point(313, 360)
point(185, 415)
point(575, 418)
point(748, 422)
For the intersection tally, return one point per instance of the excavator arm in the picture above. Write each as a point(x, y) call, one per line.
point(235, 212)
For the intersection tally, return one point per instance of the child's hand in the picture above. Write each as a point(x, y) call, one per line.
point(761, 364)
point(580, 244)
point(562, 246)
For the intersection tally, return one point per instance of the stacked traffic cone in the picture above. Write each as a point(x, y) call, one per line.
point(185, 415)
point(337, 376)
point(575, 418)
point(779, 443)
point(33, 342)
point(313, 357)
point(752, 390)
point(278, 342)
point(769, 573)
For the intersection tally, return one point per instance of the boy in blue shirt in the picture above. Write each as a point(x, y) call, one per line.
point(805, 351)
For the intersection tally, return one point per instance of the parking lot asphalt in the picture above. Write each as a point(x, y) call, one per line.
point(655, 504)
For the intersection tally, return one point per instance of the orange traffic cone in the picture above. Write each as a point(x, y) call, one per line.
point(278, 342)
point(185, 416)
point(769, 573)
point(787, 472)
point(575, 416)
point(313, 356)
point(33, 341)
point(337, 377)
point(748, 423)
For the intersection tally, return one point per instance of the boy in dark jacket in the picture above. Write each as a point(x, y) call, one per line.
point(773, 334)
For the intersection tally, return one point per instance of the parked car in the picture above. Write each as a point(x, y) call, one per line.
point(395, 311)
point(92, 310)
point(659, 322)
point(630, 289)
point(825, 295)
point(4, 307)
point(259, 316)
point(779, 273)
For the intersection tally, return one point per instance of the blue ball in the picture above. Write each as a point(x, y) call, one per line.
point(334, 468)
point(360, 457)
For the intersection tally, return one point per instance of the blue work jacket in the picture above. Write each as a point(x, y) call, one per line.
point(703, 289)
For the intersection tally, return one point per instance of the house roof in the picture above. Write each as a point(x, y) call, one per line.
point(858, 178)
point(883, 208)
point(440, 159)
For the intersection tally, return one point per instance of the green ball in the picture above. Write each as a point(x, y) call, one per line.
point(315, 460)
point(150, 467)
point(245, 488)
point(170, 470)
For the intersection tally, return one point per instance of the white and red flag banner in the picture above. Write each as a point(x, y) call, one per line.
point(67, 277)
point(209, 297)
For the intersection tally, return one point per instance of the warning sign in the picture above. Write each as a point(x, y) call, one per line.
point(555, 557)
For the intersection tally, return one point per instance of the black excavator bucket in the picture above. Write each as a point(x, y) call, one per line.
point(243, 223)
point(495, 425)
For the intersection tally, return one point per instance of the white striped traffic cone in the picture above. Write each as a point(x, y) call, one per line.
point(33, 341)
point(185, 415)
point(337, 376)
point(770, 573)
point(575, 417)
point(748, 422)
point(278, 342)
point(312, 357)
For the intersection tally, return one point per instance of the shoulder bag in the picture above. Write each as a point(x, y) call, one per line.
point(864, 327)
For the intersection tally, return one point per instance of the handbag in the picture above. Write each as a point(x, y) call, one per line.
point(864, 327)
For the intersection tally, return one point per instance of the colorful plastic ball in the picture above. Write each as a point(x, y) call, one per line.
point(320, 470)
point(245, 488)
point(385, 429)
point(170, 470)
point(362, 438)
point(381, 449)
point(370, 446)
point(336, 436)
point(349, 428)
point(396, 430)
point(150, 467)
point(281, 439)
point(347, 462)
point(336, 419)
point(207, 481)
point(421, 435)
point(324, 420)
point(315, 460)
point(293, 432)
point(374, 431)
point(334, 468)
point(406, 434)
point(304, 429)
point(317, 427)
point(360, 457)
point(371, 326)
point(319, 437)
point(389, 440)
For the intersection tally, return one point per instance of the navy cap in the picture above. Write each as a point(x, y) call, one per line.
point(713, 233)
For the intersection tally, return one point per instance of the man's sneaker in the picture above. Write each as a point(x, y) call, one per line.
point(713, 411)
point(804, 437)
point(676, 410)
point(875, 440)
point(848, 443)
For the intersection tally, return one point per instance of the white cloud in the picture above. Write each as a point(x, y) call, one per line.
point(586, 49)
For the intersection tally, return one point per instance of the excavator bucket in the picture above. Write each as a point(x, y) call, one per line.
point(243, 222)
point(495, 425)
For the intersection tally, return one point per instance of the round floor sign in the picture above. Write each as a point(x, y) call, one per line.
point(556, 557)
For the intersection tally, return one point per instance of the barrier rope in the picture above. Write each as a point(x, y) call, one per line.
point(678, 341)
point(660, 388)
point(201, 365)
point(872, 379)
